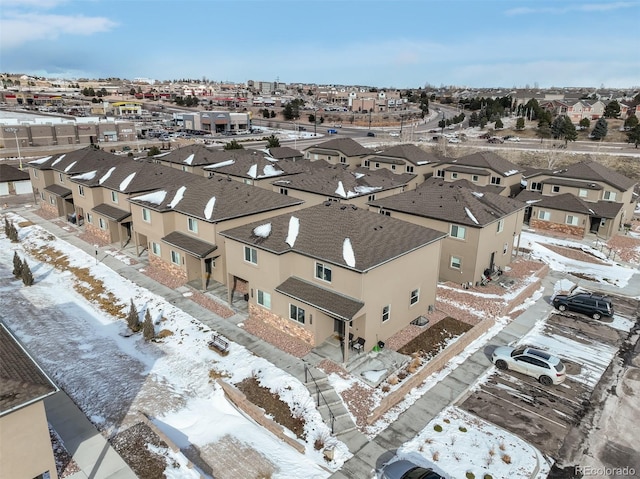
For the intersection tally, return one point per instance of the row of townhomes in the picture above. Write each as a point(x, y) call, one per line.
point(308, 239)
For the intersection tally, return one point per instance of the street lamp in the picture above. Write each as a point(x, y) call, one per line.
point(15, 135)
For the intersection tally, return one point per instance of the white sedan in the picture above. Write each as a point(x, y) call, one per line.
point(535, 363)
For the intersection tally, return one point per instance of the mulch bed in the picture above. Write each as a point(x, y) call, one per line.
point(132, 443)
point(432, 340)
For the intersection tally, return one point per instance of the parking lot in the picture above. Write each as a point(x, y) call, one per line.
point(544, 415)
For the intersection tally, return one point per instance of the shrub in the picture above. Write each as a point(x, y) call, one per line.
point(17, 265)
point(487, 476)
point(27, 277)
point(133, 319)
point(437, 428)
point(148, 331)
point(470, 475)
point(447, 420)
point(506, 458)
point(462, 429)
point(435, 456)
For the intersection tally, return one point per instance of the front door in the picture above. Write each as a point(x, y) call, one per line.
point(492, 261)
point(338, 327)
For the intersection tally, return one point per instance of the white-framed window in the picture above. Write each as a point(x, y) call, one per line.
point(343, 160)
point(536, 186)
point(114, 196)
point(495, 180)
point(439, 173)
point(35, 173)
point(475, 178)
point(609, 195)
point(393, 167)
point(175, 257)
point(582, 193)
point(555, 189)
point(457, 231)
point(146, 215)
point(102, 223)
point(414, 297)
point(377, 165)
point(366, 163)
point(386, 313)
point(89, 218)
point(384, 212)
point(544, 215)
point(454, 175)
point(264, 299)
point(61, 177)
point(192, 225)
point(572, 220)
point(296, 313)
point(455, 262)
point(155, 249)
point(250, 255)
point(42, 197)
point(372, 198)
point(184, 168)
point(409, 168)
point(284, 191)
point(505, 248)
point(323, 272)
point(52, 199)
point(500, 226)
point(81, 190)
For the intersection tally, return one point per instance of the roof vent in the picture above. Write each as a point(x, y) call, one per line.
point(327, 203)
point(343, 207)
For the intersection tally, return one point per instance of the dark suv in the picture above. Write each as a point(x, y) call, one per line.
point(591, 304)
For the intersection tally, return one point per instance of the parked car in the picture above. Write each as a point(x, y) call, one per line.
point(512, 138)
point(404, 469)
point(332, 131)
point(535, 363)
point(394, 133)
point(485, 136)
point(370, 133)
point(454, 140)
point(590, 304)
point(495, 139)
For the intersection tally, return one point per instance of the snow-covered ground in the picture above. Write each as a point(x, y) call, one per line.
point(112, 375)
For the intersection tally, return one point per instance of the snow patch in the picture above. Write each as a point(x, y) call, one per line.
point(221, 164)
point(294, 229)
point(58, 160)
point(178, 197)
point(126, 181)
point(263, 231)
point(106, 176)
point(70, 166)
point(208, 209)
point(340, 190)
point(156, 198)
point(189, 159)
point(85, 176)
point(347, 253)
point(253, 171)
point(40, 160)
point(270, 170)
point(470, 215)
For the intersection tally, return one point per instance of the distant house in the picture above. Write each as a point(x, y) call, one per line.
point(343, 151)
point(25, 444)
point(14, 181)
point(285, 153)
point(583, 198)
point(482, 226)
point(407, 158)
point(191, 158)
point(335, 270)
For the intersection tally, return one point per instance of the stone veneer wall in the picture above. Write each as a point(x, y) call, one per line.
point(170, 268)
point(241, 286)
point(287, 326)
point(49, 209)
point(558, 228)
point(103, 236)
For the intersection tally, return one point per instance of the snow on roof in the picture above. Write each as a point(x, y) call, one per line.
point(222, 163)
point(470, 215)
point(477, 194)
point(106, 176)
point(85, 176)
point(340, 190)
point(70, 166)
point(178, 197)
point(58, 160)
point(270, 170)
point(40, 160)
point(422, 162)
point(532, 201)
point(263, 231)
point(271, 158)
point(126, 181)
point(208, 209)
point(363, 190)
point(156, 198)
point(161, 154)
point(253, 171)
point(510, 172)
point(358, 175)
point(294, 228)
point(348, 254)
point(189, 159)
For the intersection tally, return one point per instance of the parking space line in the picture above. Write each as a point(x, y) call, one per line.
point(525, 409)
point(548, 391)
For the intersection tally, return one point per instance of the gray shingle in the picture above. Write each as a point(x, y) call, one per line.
point(191, 245)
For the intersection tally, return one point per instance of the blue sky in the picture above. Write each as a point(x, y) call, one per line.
point(390, 43)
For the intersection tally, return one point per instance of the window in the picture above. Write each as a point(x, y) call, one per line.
point(609, 195)
point(184, 168)
point(366, 163)
point(89, 218)
point(61, 177)
point(500, 226)
point(495, 180)
point(52, 199)
point(582, 193)
point(114, 196)
point(454, 175)
point(505, 248)
point(475, 178)
point(146, 215)
point(343, 160)
point(81, 190)
point(42, 197)
point(544, 215)
point(377, 165)
point(192, 225)
point(393, 167)
point(329, 158)
point(536, 186)
point(323, 272)
point(455, 262)
point(296, 313)
point(284, 191)
point(384, 212)
point(439, 173)
point(458, 231)
point(264, 299)
point(247, 181)
point(386, 313)
point(372, 197)
point(409, 169)
point(155, 249)
point(102, 224)
point(415, 297)
point(251, 255)
point(572, 220)
point(175, 257)
point(35, 173)
point(555, 189)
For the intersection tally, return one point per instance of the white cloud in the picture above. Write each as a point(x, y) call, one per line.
point(586, 8)
point(20, 28)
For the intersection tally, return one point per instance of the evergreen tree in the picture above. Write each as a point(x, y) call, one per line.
point(584, 123)
point(13, 233)
point(563, 128)
point(483, 121)
point(633, 136)
point(473, 120)
point(612, 110)
point(133, 319)
point(499, 124)
point(148, 331)
point(600, 130)
point(17, 265)
point(27, 277)
point(273, 141)
point(520, 124)
point(631, 121)
point(154, 150)
point(233, 145)
point(543, 131)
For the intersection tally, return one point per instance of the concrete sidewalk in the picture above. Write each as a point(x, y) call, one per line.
point(90, 450)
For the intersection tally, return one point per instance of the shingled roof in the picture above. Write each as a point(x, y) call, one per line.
point(347, 146)
point(213, 199)
point(409, 152)
point(571, 203)
point(337, 233)
point(21, 380)
point(255, 164)
point(194, 155)
point(11, 173)
point(285, 152)
point(452, 203)
point(78, 161)
point(592, 171)
point(488, 160)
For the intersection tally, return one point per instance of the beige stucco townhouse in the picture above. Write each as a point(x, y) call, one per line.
point(343, 151)
point(406, 158)
point(335, 270)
